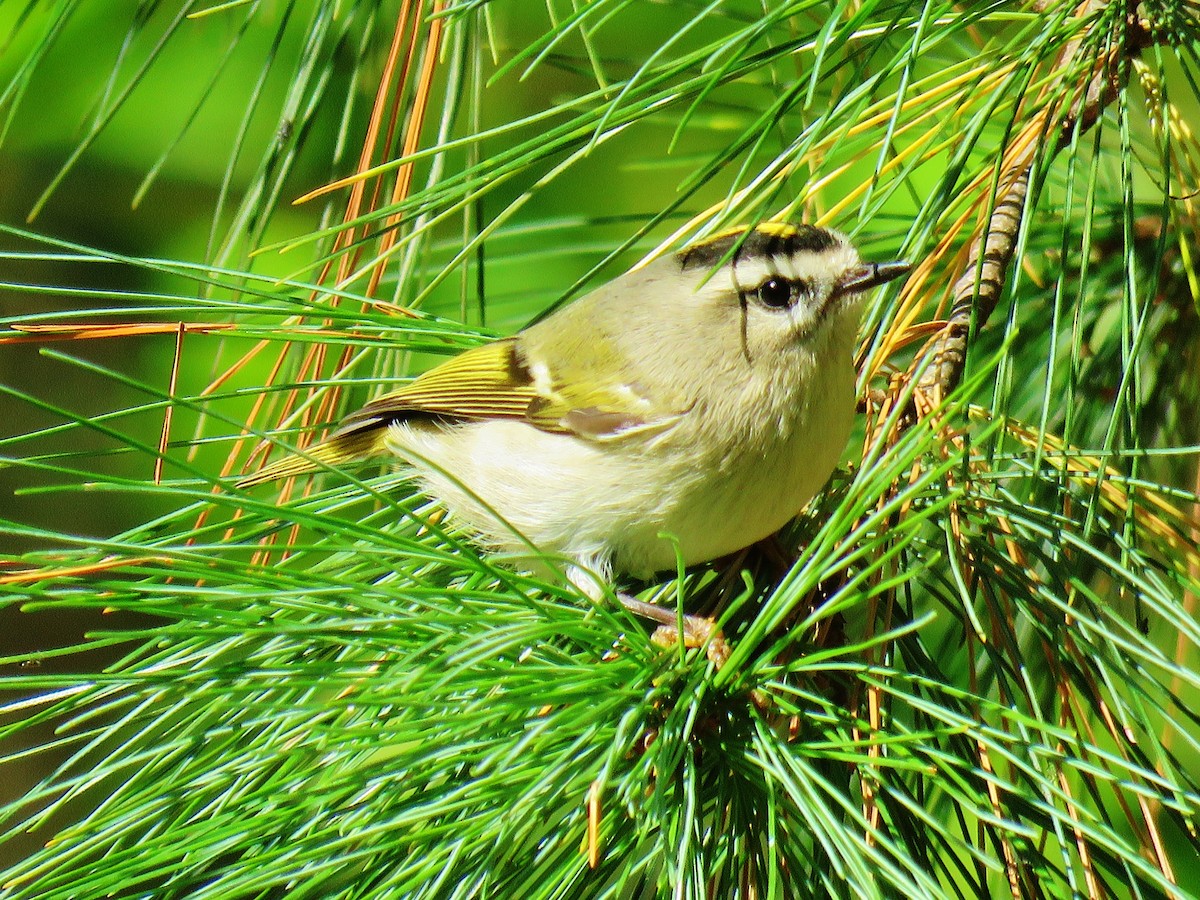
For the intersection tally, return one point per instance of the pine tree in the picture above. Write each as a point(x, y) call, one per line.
point(967, 668)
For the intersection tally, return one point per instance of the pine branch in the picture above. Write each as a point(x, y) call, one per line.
point(979, 288)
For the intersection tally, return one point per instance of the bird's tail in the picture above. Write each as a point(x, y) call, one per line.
point(330, 453)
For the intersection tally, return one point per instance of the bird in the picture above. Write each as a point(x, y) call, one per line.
point(681, 412)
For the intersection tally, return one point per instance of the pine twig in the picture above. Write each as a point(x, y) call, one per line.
point(978, 290)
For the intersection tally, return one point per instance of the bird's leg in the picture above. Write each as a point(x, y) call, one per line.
point(698, 631)
point(592, 573)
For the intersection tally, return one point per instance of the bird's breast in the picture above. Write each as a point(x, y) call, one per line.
point(748, 481)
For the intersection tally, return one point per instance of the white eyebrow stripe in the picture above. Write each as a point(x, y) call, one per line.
point(805, 266)
point(751, 273)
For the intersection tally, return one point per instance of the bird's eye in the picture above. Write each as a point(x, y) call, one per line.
point(776, 293)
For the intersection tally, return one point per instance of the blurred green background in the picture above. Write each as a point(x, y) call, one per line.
point(79, 176)
point(223, 122)
point(190, 201)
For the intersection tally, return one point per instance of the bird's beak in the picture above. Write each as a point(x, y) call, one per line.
point(868, 275)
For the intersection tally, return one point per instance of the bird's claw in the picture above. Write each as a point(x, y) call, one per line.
point(697, 631)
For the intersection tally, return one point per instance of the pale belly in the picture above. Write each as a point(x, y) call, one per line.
point(610, 503)
point(732, 510)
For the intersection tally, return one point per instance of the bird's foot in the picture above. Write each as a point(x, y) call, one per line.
point(697, 631)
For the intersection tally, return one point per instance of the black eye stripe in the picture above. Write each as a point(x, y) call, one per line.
point(777, 292)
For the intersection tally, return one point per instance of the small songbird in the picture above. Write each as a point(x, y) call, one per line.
point(706, 396)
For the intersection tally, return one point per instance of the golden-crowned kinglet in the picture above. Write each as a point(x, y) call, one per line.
point(706, 395)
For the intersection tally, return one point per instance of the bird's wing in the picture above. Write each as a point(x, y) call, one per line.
point(495, 381)
point(492, 381)
point(486, 382)
point(333, 452)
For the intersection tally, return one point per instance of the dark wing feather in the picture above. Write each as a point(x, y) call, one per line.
point(487, 382)
point(492, 381)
